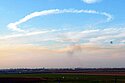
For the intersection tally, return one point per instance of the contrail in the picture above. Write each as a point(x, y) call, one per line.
point(14, 26)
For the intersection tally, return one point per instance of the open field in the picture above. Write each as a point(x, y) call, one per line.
point(61, 78)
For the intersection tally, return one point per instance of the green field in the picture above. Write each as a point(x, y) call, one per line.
point(69, 78)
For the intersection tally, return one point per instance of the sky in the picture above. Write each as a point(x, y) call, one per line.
point(62, 33)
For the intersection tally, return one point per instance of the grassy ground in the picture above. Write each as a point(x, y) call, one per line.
point(69, 78)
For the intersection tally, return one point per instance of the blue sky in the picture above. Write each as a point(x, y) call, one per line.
point(64, 26)
point(12, 11)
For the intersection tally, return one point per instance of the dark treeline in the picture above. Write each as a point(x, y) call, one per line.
point(61, 70)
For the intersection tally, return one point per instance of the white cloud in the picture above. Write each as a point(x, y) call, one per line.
point(91, 1)
point(95, 36)
point(123, 41)
point(108, 35)
point(63, 39)
point(25, 34)
point(75, 36)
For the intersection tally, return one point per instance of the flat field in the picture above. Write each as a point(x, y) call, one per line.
point(60, 78)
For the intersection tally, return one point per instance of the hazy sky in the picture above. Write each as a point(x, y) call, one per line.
point(62, 33)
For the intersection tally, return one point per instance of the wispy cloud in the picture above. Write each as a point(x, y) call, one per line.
point(25, 34)
point(109, 34)
point(91, 1)
point(60, 39)
point(122, 41)
point(95, 36)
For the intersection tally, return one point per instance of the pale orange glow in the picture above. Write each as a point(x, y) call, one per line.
point(14, 56)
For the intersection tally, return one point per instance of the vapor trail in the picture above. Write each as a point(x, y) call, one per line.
point(14, 26)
